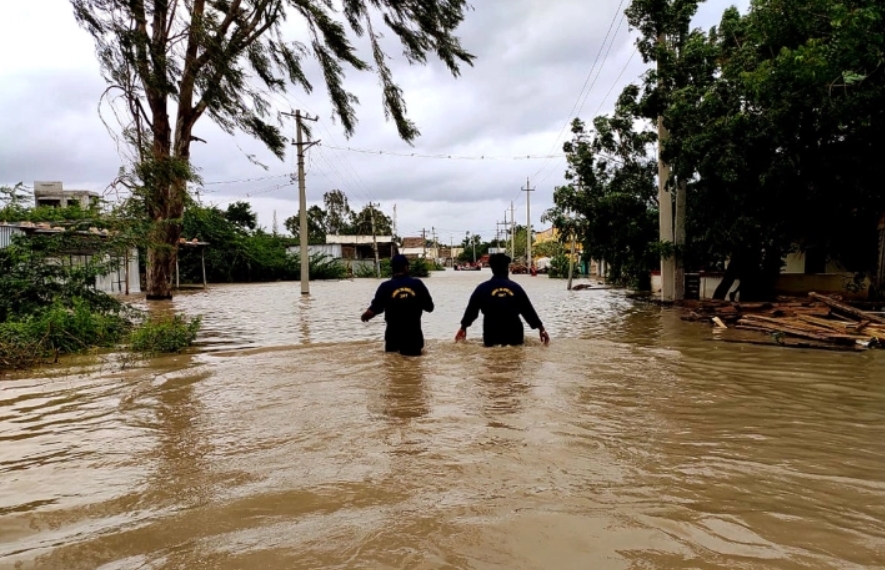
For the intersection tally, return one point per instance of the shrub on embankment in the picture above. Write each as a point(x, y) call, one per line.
point(417, 268)
point(49, 306)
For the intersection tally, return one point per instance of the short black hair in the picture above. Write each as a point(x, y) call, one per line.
point(399, 262)
point(499, 262)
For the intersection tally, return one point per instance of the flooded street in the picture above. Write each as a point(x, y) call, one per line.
point(289, 440)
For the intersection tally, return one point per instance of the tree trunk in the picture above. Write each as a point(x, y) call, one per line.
point(731, 274)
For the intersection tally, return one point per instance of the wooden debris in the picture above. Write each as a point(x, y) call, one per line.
point(818, 321)
point(847, 309)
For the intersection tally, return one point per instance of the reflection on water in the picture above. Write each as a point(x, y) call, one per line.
point(291, 440)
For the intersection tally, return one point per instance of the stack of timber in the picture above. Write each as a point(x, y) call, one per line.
point(818, 321)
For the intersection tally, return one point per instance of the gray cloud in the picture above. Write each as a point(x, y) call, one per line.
point(532, 61)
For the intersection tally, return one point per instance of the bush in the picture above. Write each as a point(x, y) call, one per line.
point(322, 266)
point(59, 329)
point(164, 335)
point(417, 268)
point(559, 267)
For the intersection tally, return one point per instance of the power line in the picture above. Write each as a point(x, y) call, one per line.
point(586, 82)
point(615, 83)
point(445, 156)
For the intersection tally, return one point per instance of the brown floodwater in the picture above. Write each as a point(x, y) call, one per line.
point(287, 439)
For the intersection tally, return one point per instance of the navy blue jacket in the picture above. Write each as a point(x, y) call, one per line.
point(402, 299)
point(501, 302)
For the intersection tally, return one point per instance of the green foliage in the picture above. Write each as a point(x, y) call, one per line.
point(61, 328)
point(316, 225)
point(775, 122)
point(612, 191)
point(417, 268)
point(322, 266)
point(240, 214)
point(48, 305)
point(235, 255)
point(361, 222)
point(39, 272)
point(164, 334)
point(559, 265)
point(204, 56)
point(420, 268)
point(550, 249)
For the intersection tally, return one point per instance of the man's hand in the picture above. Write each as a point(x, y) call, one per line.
point(462, 335)
point(367, 316)
point(545, 338)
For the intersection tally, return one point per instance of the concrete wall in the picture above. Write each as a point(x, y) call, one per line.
point(795, 263)
point(826, 283)
point(708, 285)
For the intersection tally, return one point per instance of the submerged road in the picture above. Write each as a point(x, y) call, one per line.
point(289, 440)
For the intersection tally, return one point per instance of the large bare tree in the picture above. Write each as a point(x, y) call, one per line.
point(174, 61)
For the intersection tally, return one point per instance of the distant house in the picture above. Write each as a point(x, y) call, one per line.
point(415, 248)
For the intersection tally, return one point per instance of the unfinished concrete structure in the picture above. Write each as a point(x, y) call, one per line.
point(53, 194)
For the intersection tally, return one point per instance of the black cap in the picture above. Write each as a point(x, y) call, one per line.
point(501, 260)
point(399, 262)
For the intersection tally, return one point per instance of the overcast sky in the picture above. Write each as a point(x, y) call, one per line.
point(533, 60)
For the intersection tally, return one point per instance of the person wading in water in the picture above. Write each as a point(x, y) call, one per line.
point(501, 301)
point(403, 299)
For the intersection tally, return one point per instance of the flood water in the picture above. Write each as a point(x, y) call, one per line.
point(289, 440)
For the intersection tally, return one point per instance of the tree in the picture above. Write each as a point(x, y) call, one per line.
point(610, 200)
point(471, 243)
point(14, 202)
point(361, 222)
point(174, 62)
point(241, 215)
point(316, 225)
point(776, 126)
point(338, 212)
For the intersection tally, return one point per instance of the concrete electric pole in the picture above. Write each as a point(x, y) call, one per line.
point(375, 241)
point(665, 205)
point(302, 197)
point(528, 223)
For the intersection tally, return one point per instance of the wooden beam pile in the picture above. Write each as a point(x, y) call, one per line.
point(817, 322)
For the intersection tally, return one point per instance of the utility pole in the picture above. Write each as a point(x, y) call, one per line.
point(424, 241)
point(528, 223)
point(302, 197)
point(506, 226)
point(571, 259)
point(375, 241)
point(452, 249)
point(512, 231)
point(665, 205)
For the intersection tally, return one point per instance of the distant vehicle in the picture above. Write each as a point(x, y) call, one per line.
point(468, 267)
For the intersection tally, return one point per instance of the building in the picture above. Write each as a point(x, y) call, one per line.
point(53, 194)
point(123, 279)
point(416, 248)
point(801, 273)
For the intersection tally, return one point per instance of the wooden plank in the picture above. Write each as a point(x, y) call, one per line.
point(847, 309)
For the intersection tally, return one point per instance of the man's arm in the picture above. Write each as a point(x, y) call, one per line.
point(426, 299)
point(470, 314)
point(377, 306)
point(527, 310)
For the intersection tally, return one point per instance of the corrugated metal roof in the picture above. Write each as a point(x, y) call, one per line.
point(6, 234)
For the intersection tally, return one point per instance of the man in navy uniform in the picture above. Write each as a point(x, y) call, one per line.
point(402, 299)
point(501, 302)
